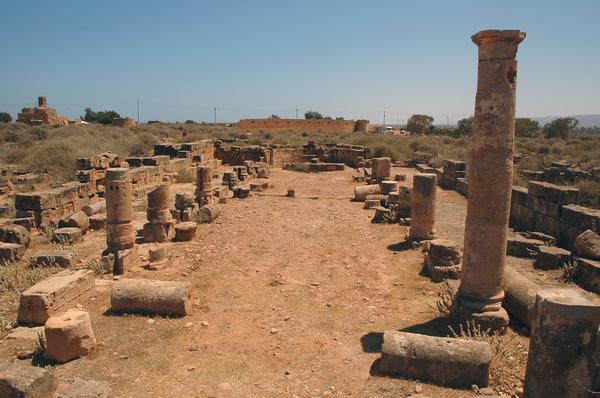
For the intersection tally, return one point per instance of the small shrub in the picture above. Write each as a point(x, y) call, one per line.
point(185, 175)
point(569, 271)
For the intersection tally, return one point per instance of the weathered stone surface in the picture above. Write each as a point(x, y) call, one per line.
point(362, 191)
point(118, 195)
point(70, 235)
point(388, 187)
point(558, 194)
point(69, 336)
point(519, 298)
point(149, 296)
point(447, 361)
point(20, 380)
point(209, 213)
point(157, 257)
point(11, 251)
point(242, 192)
point(587, 274)
point(423, 205)
point(158, 198)
point(48, 258)
point(97, 222)
point(185, 231)
point(120, 236)
point(587, 245)
point(519, 195)
point(381, 168)
point(15, 234)
point(562, 345)
point(442, 259)
point(94, 208)
point(77, 220)
point(372, 203)
point(490, 177)
point(158, 232)
point(520, 246)
point(53, 295)
point(184, 200)
point(79, 388)
point(581, 217)
point(551, 257)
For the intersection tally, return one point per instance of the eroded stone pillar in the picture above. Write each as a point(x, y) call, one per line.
point(160, 226)
point(490, 178)
point(423, 194)
point(120, 231)
point(204, 193)
point(564, 334)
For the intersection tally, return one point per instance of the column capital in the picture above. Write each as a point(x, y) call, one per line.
point(498, 44)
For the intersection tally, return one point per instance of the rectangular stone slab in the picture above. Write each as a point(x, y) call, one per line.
point(53, 295)
point(18, 379)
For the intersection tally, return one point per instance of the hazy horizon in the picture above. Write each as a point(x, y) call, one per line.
point(254, 59)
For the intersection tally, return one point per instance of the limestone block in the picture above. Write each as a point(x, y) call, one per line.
point(581, 217)
point(185, 231)
point(159, 216)
point(77, 220)
point(519, 295)
point(48, 258)
point(158, 232)
point(551, 257)
point(388, 187)
point(242, 193)
point(587, 245)
point(150, 296)
point(209, 213)
point(11, 251)
point(587, 274)
point(120, 236)
point(70, 235)
point(158, 198)
point(184, 200)
point(447, 361)
point(520, 246)
point(97, 222)
point(558, 194)
point(362, 191)
point(94, 208)
point(19, 379)
point(15, 234)
point(442, 259)
point(519, 195)
point(69, 336)
point(53, 295)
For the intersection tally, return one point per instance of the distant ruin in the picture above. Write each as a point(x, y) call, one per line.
point(42, 115)
point(305, 125)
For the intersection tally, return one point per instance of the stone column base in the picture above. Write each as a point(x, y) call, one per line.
point(492, 320)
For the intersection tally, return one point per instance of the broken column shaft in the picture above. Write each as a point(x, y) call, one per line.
point(564, 335)
point(490, 178)
point(204, 191)
point(423, 196)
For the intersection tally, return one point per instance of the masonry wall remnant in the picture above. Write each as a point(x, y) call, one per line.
point(304, 125)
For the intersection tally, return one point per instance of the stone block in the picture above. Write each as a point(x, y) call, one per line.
point(11, 251)
point(78, 219)
point(70, 235)
point(558, 194)
point(125, 260)
point(25, 222)
point(587, 274)
point(14, 234)
point(519, 295)
point(446, 361)
point(209, 213)
point(35, 201)
point(581, 217)
point(543, 206)
point(520, 246)
point(68, 336)
point(587, 245)
point(550, 257)
point(185, 231)
point(57, 293)
point(94, 208)
point(48, 258)
point(149, 296)
point(20, 380)
point(97, 222)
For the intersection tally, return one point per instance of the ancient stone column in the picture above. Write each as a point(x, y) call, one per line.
point(120, 231)
point(160, 226)
point(490, 178)
point(564, 334)
point(422, 222)
point(380, 168)
point(204, 191)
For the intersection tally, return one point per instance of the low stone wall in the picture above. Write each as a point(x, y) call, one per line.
point(552, 209)
point(561, 173)
point(304, 125)
point(202, 151)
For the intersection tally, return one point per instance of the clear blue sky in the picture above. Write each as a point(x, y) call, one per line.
point(254, 58)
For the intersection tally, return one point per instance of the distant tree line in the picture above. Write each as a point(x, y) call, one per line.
point(102, 117)
point(524, 127)
point(5, 117)
point(317, 115)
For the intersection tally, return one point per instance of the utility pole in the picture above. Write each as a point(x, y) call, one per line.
point(215, 115)
point(296, 113)
point(447, 122)
point(383, 119)
point(138, 109)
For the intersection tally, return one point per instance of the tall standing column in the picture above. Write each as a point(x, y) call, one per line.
point(490, 179)
point(423, 195)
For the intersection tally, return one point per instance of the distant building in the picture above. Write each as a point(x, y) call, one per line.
point(42, 115)
point(304, 125)
point(123, 122)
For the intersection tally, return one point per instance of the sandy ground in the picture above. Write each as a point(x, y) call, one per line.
point(295, 292)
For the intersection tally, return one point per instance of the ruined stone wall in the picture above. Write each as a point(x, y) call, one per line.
point(562, 173)
point(123, 122)
point(552, 209)
point(236, 155)
point(279, 156)
point(303, 125)
point(202, 152)
point(41, 116)
point(350, 155)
